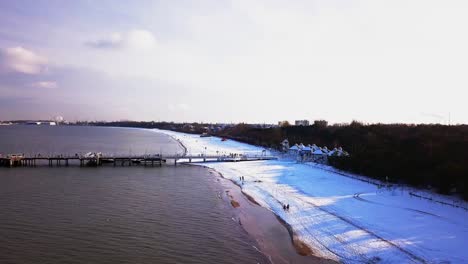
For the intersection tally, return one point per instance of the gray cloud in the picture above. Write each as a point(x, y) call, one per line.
point(112, 42)
point(134, 39)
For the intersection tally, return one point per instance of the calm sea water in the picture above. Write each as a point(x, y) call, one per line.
point(112, 215)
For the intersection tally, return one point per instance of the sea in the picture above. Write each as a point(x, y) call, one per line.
point(112, 214)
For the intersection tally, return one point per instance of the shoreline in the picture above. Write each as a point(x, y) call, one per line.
point(307, 251)
point(301, 247)
point(294, 249)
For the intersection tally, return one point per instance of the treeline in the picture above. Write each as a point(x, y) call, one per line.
point(434, 156)
point(427, 156)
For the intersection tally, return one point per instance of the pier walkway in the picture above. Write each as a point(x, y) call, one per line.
point(98, 159)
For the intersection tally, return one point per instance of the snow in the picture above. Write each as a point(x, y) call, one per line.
point(294, 147)
point(344, 218)
point(306, 148)
point(318, 152)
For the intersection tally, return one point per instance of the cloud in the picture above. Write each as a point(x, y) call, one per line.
point(45, 85)
point(19, 59)
point(178, 107)
point(140, 39)
point(135, 40)
point(113, 41)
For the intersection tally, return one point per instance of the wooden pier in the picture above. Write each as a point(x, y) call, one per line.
point(120, 161)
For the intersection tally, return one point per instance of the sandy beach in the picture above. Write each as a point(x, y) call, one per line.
point(275, 237)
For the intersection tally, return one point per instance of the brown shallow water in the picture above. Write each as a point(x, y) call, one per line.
point(121, 215)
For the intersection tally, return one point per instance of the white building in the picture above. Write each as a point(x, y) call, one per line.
point(313, 153)
point(294, 150)
point(319, 156)
point(338, 152)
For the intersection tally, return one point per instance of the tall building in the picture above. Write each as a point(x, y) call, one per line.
point(302, 123)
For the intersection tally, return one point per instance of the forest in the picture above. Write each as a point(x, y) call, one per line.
point(428, 156)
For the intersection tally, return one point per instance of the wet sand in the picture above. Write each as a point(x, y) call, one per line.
point(274, 237)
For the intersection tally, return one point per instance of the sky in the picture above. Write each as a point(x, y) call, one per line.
point(257, 61)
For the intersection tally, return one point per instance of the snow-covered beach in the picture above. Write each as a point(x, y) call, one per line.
point(343, 218)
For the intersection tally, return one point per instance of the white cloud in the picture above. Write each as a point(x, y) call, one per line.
point(45, 84)
point(140, 39)
point(19, 59)
point(137, 39)
point(178, 107)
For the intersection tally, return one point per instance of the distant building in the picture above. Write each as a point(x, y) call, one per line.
point(41, 123)
point(302, 123)
point(283, 123)
point(320, 123)
point(262, 125)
